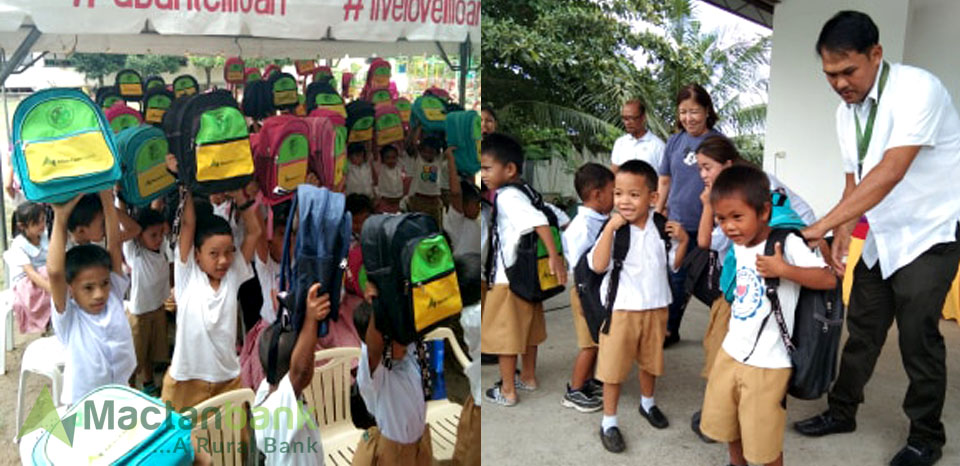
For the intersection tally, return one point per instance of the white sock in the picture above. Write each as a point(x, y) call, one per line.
point(647, 403)
point(608, 422)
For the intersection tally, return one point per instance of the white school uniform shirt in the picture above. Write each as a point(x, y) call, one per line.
point(390, 182)
point(923, 208)
point(644, 284)
point(99, 347)
point(302, 441)
point(268, 274)
point(22, 252)
point(149, 276)
point(394, 396)
point(426, 178)
point(563, 220)
point(516, 216)
point(750, 305)
point(648, 148)
point(207, 321)
point(485, 211)
point(360, 179)
point(581, 234)
point(464, 232)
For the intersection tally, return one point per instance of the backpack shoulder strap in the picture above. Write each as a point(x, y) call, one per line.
point(621, 245)
point(777, 235)
point(661, 222)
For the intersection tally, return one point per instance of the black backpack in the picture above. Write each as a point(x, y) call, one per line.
point(106, 96)
point(209, 138)
point(283, 91)
point(817, 328)
point(156, 102)
point(588, 282)
point(258, 100)
point(529, 276)
point(129, 84)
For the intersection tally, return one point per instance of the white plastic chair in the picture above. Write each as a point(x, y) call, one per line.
point(443, 416)
point(43, 356)
point(6, 320)
point(220, 432)
point(329, 394)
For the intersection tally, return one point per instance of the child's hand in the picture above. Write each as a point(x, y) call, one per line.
point(370, 292)
point(312, 179)
point(317, 306)
point(616, 221)
point(772, 266)
point(558, 268)
point(676, 231)
point(66, 207)
point(172, 163)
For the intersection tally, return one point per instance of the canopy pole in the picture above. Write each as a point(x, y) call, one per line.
point(22, 50)
point(464, 69)
point(5, 70)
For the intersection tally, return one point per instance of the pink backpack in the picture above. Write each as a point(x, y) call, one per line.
point(281, 152)
point(234, 71)
point(328, 140)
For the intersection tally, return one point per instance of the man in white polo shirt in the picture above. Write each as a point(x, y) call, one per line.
point(899, 137)
point(638, 143)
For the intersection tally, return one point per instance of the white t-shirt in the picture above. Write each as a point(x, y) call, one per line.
point(394, 396)
point(464, 232)
point(207, 321)
point(923, 208)
point(644, 284)
point(470, 322)
point(99, 346)
point(750, 305)
point(149, 277)
point(648, 148)
point(581, 234)
point(360, 179)
point(301, 445)
point(426, 178)
point(563, 220)
point(22, 252)
point(516, 216)
point(390, 182)
point(268, 274)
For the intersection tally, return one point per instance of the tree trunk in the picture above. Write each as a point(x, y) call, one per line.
point(207, 71)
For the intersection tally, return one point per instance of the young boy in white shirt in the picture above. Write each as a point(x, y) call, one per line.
point(425, 188)
point(149, 289)
point(512, 326)
point(594, 184)
point(745, 399)
point(87, 287)
point(207, 275)
point(389, 189)
point(638, 322)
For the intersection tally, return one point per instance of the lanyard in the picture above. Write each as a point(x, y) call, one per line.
point(863, 137)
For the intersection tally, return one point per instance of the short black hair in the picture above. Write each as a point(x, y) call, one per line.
point(210, 225)
point(644, 169)
point(489, 109)
point(746, 182)
point(848, 31)
point(387, 149)
point(356, 147)
point(361, 319)
point(147, 217)
point(433, 142)
point(469, 192)
point(285, 344)
point(281, 212)
point(589, 177)
point(85, 256)
point(504, 149)
point(468, 277)
point(359, 203)
point(85, 212)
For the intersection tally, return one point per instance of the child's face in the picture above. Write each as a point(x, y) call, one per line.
point(358, 222)
point(428, 152)
point(357, 158)
point(471, 210)
point(152, 237)
point(390, 159)
point(495, 174)
point(740, 222)
point(605, 198)
point(710, 169)
point(91, 289)
point(487, 124)
point(633, 197)
point(215, 255)
point(92, 233)
point(34, 231)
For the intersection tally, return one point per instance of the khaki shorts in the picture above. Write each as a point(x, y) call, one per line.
point(746, 403)
point(149, 338)
point(510, 324)
point(375, 449)
point(634, 336)
point(584, 340)
point(187, 393)
point(716, 332)
point(467, 450)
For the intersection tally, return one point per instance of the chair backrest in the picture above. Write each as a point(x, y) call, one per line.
point(444, 333)
point(329, 392)
point(212, 432)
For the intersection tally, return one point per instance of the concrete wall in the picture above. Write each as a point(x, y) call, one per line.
point(931, 41)
point(800, 118)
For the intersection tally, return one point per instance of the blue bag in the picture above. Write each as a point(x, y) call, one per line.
point(143, 153)
point(463, 131)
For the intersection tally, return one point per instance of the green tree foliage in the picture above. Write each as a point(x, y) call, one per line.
point(208, 64)
point(148, 65)
point(95, 66)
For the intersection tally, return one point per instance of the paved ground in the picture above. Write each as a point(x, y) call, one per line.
point(540, 431)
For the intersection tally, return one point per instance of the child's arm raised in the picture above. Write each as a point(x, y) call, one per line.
point(57, 254)
point(373, 338)
point(188, 217)
point(816, 278)
point(456, 196)
point(251, 223)
point(704, 233)
point(681, 243)
point(129, 228)
point(112, 223)
point(604, 247)
point(301, 360)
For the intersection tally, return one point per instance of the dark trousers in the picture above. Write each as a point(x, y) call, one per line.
point(678, 289)
point(914, 297)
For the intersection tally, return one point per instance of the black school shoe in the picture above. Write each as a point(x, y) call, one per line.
point(916, 456)
point(824, 424)
point(594, 388)
point(612, 440)
point(655, 417)
point(695, 426)
point(671, 340)
point(488, 359)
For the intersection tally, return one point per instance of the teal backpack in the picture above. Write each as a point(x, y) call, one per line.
point(143, 154)
point(62, 146)
point(463, 132)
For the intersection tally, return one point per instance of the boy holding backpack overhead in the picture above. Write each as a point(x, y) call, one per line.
point(512, 326)
point(637, 325)
point(745, 399)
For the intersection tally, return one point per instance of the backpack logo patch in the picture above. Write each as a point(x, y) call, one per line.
point(60, 117)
